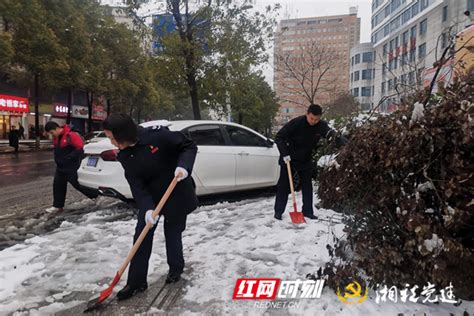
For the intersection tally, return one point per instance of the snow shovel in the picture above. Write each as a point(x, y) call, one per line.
point(95, 302)
point(296, 217)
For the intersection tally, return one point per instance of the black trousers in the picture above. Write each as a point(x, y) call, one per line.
point(61, 178)
point(283, 189)
point(138, 271)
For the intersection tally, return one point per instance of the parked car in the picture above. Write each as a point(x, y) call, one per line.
point(230, 157)
point(94, 137)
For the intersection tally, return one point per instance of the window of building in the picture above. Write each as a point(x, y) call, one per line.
point(356, 76)
point(404, 79)
point(352, 77)
point(352, 61)
point(413, 32)
point(424, 4)
point(394, 4)
point(405, 36)
point(422, 51)
point(367, 57)
point(386, 30)
point(470, 5)
point(385, 50)
point(423, 27)
point(445, 13)
point(387, 10)
point(390, 85)
point(355, 92)
point(392, 45)
point(357, 59)
point(444, 40)
point(365, 91)
point(395, 63)
point(383, 87)
point(406, 16)
point(412, 55)
point(384, 69)
point(395, 24)
point(397, 43)
point(411, 77)
point(366, 74)
point(404, 59)
point(415, 9)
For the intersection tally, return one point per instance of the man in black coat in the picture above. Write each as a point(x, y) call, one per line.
point(151, 158)
point(296, 141)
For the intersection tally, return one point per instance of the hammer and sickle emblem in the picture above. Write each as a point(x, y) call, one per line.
point(353, 291)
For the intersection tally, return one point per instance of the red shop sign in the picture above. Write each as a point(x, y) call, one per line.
point(13, 104)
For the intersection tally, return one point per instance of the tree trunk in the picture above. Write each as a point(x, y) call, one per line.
point(194, 96)
point(139, 112)
point(185, 34)
point(89, 108)
point(241, 117)
point(37, 131)
point(69, 105)
point(109, 104)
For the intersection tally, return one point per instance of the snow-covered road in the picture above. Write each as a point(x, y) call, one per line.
point(222, 242)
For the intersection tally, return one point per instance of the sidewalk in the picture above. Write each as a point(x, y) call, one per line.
point(25, 146)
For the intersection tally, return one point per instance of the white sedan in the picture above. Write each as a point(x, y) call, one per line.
point(230, 157)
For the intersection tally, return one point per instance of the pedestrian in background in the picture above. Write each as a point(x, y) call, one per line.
point(68, 153)
point(21, 131)
point(13, 140)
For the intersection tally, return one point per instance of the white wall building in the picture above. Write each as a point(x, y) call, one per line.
point(362, 74)
point(408, 37)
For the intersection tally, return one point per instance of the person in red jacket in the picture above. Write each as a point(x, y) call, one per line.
point(68, 152)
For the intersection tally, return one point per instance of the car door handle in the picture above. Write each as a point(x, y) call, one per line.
point(243, 153)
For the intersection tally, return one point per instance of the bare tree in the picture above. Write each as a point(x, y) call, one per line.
point(343, 105)
point(308, 73)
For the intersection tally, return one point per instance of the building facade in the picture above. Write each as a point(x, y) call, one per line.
point(362, 74)
point(294, 40)
point(408, 38)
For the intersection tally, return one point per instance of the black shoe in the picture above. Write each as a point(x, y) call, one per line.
point(129, 291)
point(310, 216)
point(172, 278)
point(277, 216)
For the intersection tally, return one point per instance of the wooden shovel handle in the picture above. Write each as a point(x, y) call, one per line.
point(148, 226)
point(290, 177)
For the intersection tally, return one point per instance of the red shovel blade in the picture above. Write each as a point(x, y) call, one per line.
point(297, 218)
point(94, 303)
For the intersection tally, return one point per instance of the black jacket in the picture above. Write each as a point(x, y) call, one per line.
point(13, 139)
point(298, 139)
point(149, 168)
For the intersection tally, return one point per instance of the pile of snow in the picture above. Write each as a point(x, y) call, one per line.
point(418, 112)
point(222, 243)
point(328, 161)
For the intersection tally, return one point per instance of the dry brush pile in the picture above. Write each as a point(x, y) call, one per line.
point(407, 183)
